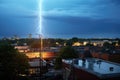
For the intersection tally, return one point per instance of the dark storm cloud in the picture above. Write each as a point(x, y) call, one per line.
point(81, 25)
point(61, 18)
point(83, 17)
point(116, 1)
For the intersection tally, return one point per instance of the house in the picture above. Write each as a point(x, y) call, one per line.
point(90, 69)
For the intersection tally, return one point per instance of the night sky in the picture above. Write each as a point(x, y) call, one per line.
point(61, 18)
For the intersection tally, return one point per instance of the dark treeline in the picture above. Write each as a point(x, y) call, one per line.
point(52, 41)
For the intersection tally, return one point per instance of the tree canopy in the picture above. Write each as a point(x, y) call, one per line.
point(65, 53)
point(12, 63)
point(68, 53)
point(108, 47)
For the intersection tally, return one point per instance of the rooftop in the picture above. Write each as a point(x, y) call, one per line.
point(98, 67)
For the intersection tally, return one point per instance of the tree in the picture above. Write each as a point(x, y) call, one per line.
point(58, 63)
point(88, 44)
point(12, 63)
point(68, 53)
point(75, 39)
point(65, 53)
point(119, 42)
point(71, 41)
point(108, 47)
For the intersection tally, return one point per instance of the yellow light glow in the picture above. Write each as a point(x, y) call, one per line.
point(43, 54)
point(95, 44)
point(76, 44)
point(84, 43)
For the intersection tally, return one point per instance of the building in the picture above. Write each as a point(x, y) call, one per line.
point(90, 69)
point(106, 56)
point(35, 65)
point(23, 48)
point(37, 68)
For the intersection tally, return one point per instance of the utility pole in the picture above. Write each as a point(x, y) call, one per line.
point(40, 55)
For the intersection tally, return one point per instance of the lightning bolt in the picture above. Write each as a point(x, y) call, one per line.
point(40, 17)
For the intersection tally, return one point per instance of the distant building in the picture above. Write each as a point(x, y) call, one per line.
point(77, 44)
point(22, 48)
point(106, 56)
point(44, 55)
